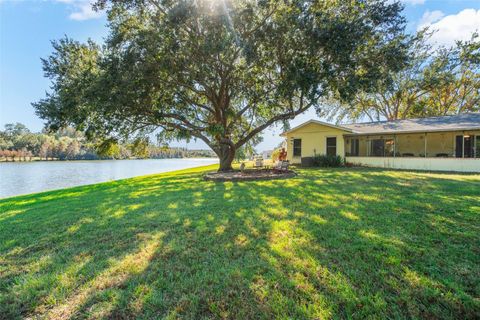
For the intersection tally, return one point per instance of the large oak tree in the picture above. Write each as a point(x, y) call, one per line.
point(219, 70)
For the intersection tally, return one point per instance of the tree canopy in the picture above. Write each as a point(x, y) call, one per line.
point(219, 70)
point(437, 81)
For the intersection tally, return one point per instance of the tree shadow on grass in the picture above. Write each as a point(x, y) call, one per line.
point(402, 258)
point(330, 243)
point(50, 249)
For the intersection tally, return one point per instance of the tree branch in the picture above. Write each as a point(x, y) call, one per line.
point(257, 130)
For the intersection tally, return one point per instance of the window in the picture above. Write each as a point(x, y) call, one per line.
point(297, 147)
point(332, 146)
point(354, 147)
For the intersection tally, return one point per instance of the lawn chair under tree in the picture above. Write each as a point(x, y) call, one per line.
point(281, 166)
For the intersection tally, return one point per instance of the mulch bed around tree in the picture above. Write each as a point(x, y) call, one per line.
point(249, 174)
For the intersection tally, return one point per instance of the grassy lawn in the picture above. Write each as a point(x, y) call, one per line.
point(330, 243)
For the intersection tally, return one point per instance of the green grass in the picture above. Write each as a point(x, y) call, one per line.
point(330, 243)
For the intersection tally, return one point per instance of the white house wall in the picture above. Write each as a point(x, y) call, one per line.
point(430, 164)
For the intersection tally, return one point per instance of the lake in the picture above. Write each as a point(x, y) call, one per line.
point(18, 178)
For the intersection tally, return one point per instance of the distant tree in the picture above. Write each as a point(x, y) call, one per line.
point(43, 152)
point(23, 153)
point(47, 147)
point(60, 148)
point(125, 152)
point(453, 80)
point(27, 141)
point(436, 82)
point(15, 129)
point(5, 143)
point(4, 154)
point(109, 148)
point(14, 154)
point(139, 148)
point(73, 150)
point(218, 71)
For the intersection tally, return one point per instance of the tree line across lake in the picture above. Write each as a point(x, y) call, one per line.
point(18, 143)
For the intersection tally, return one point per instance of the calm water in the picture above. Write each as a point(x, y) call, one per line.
point(27, 177)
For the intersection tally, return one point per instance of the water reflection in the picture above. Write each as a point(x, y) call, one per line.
point(27, 177)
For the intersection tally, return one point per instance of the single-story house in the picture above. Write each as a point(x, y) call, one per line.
point(447, 143)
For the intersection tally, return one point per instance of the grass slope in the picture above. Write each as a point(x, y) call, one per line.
point(333, 243)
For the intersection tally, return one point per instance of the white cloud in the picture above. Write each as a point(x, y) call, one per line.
point(451, 28)
point(430, 17)
point(82, 9)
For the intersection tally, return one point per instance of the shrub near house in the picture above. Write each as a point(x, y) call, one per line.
point(328, 161)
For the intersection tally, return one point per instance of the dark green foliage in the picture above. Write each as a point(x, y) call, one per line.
point(328, 161)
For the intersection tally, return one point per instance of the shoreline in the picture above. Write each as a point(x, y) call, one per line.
point(3, 160)
point(7, 193)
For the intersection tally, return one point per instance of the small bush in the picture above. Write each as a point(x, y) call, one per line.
point(328, 161)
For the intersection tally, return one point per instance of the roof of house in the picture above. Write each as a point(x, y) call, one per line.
point(463, 121)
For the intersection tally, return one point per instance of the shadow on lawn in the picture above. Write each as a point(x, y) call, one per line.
point(330, 243)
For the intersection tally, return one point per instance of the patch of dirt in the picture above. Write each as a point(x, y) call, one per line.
point(249, 175)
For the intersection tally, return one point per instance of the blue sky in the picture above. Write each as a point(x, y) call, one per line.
point(27, 27)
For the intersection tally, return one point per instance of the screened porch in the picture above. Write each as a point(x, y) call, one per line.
point(456, 144)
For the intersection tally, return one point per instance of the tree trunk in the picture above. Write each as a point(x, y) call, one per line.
point(226, 154)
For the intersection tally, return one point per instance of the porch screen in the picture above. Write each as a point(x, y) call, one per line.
point(458, 146)
point(354, 147)
point(382, 147)
point(477, 146)
point(378, 147)
point(465, 146)
point(468, 146)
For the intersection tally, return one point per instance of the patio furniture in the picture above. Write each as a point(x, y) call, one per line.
point(281, 166)
point(258, 163)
